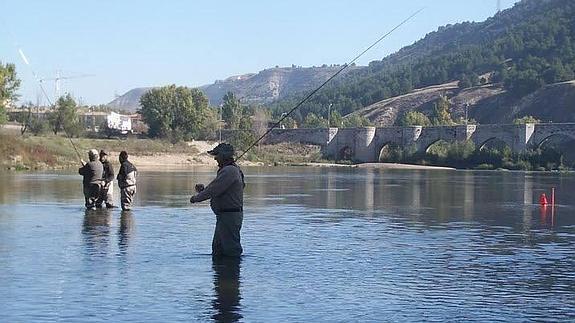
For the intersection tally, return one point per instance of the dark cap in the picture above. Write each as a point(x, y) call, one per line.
point(103, 152)
point(223, 149)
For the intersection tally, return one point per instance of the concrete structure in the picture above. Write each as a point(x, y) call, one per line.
point(365, 144)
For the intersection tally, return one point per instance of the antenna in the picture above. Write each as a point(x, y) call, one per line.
point(498, 6)
point(59, 78)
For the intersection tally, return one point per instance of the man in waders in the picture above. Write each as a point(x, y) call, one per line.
point(226, 195)
point(92, 173)
point(126, 181)
point(106, 192)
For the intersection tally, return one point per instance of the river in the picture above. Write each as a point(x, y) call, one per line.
point(320, 244)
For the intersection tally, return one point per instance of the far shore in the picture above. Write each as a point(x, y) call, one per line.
point(178, 160)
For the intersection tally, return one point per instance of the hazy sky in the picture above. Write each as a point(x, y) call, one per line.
point(128, 44)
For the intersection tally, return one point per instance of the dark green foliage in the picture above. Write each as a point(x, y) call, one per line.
point(231, 111)
point(526, 119)
point(465, 155)
point(314, 121)
point(441, 115)
point(414, 118)
point(356, 121)
point(177, 113)
point(9, 84)
point(64, 117)
point(527, 47)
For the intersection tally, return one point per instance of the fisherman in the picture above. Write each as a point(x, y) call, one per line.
point(226, 195)
point(126, 181)
point(92, 173)
point(107, 190)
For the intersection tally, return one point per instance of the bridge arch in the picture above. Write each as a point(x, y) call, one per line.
point(493, 142)
point(554, 138)
point(389, 152)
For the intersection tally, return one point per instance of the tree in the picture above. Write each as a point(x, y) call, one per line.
point(441, 116)
point(260, 120)
point(289, 123)
point(414, 118)
point(9, 83)
point(335, 119)
point(314, 121)
point(65, 117)
point(356, 121)
point(175, 112)
point(526, 119)
point(231, 111)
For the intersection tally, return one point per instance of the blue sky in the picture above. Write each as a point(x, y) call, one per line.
point(128, 44)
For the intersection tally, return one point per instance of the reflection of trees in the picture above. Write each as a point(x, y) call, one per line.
point(227, 289)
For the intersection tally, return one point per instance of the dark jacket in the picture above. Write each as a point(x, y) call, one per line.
point(127, 175)
point(92, 172)
point(226, 191)
point(108, 175)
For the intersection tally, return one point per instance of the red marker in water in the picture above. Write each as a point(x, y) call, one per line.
point(543, 199)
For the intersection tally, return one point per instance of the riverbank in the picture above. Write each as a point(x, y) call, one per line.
point(53, 152)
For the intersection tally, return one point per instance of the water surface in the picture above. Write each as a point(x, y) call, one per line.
point(320, 245)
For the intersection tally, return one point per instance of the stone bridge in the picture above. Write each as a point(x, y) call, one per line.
point(365, 144)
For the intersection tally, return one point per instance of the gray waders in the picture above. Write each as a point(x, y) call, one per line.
point(226, 240)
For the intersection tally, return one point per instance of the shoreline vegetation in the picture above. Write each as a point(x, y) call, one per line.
point(55, 152)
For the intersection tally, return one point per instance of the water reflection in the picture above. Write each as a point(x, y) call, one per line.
point(226, 303)
point(96, 231)
point(125, 230)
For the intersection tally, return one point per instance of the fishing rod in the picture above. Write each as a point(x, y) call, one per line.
point(345, 66)
point(48, 99)
point(37, 80)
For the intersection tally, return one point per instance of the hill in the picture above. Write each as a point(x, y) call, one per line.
point(263, 87)
point(521, 50)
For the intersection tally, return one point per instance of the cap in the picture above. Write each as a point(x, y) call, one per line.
point(92, 152)
point(223, 149)
point(103, 152)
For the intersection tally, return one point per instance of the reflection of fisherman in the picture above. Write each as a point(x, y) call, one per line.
point(107, 190)
point(126, 181)
point(92, 173)
point(125, 230)
point(96, 232)
point(227, 289)
point(226, 195)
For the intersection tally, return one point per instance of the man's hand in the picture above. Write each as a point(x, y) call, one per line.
point(199, 187)
point(83, 162)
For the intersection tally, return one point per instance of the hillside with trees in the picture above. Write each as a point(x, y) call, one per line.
point(519, 50)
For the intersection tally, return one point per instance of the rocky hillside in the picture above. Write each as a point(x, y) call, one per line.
point(129, 101)
point(270, 84)
point(263, 87)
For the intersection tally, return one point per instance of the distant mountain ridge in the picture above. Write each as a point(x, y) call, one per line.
point(263, 87)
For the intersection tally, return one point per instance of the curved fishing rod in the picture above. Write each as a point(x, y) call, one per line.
point(36, 78)
point(345, 66)
point(48, 99)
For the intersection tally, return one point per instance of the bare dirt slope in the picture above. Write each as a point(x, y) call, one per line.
point(486, 104)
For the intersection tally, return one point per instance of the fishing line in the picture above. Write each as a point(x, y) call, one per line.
point(27, 63)
point(345, 66)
